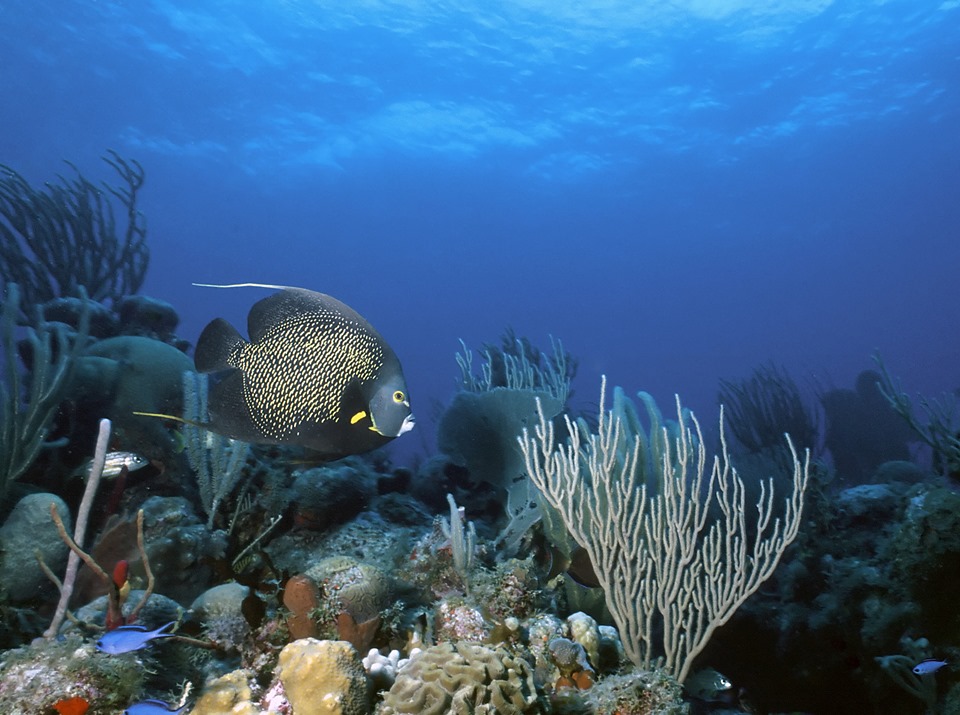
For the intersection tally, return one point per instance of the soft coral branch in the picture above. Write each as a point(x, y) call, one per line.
point(83, 514)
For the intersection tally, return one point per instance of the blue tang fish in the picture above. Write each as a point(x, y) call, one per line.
point(153, 707)
point(930, 665)
point(130, 638)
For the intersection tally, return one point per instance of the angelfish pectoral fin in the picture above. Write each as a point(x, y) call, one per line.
point(357, 417)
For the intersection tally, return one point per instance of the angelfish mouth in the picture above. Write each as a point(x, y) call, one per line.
point(408, 422)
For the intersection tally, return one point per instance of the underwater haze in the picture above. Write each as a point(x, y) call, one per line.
point(679, 191)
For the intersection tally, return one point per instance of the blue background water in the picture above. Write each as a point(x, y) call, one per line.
point(680, 191)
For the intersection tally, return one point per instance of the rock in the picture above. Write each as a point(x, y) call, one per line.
point(158, 610)
point(225, 599)
point(103, 323)
point(874, 503)
point(27, 530)
point(900, 471)
point(149, 317)
point(220, 612)
point(584, 630)
point(325, 497)
point(180, 547)
point(323, 678)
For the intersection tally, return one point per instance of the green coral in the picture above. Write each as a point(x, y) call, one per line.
point(27, 407)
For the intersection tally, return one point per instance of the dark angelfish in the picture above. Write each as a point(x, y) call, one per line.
point(314, 373)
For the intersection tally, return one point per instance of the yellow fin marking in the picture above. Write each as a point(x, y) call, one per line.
point(357, 417)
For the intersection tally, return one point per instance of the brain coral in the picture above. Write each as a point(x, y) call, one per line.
point(460, 679)
point(323, 678)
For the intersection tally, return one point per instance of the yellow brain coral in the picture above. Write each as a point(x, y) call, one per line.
point(323, 678)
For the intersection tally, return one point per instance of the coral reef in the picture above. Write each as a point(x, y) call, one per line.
point(148, 317)
point(301, 598)
point(464, 677)
point(179, 548)
point(323, 677)
point(466, 592)
point(360, 589)
point(34, 678)
point(639, 693)
point(623, 491)
point(229, 694)
point(875, 563)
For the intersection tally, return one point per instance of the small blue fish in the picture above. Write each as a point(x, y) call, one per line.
point(153, 707)
point(130, 638)
point(930, 665)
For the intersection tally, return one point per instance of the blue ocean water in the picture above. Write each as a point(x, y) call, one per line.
point(679, 191)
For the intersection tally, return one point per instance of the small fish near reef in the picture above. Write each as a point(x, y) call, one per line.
point(127, 639)
point(314, 374)
point(930, 665)
point(116, 461)
point(709, 685)
point(153, 707)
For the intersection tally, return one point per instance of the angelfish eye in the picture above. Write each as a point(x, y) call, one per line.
point(399, 397)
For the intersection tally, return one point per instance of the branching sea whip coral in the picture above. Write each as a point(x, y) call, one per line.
point(26, 414)
point(764, 406)
point(56, 239)
point(640, 506)
point(939, 427)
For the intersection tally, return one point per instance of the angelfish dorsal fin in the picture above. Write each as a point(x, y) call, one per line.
point(215, 344)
